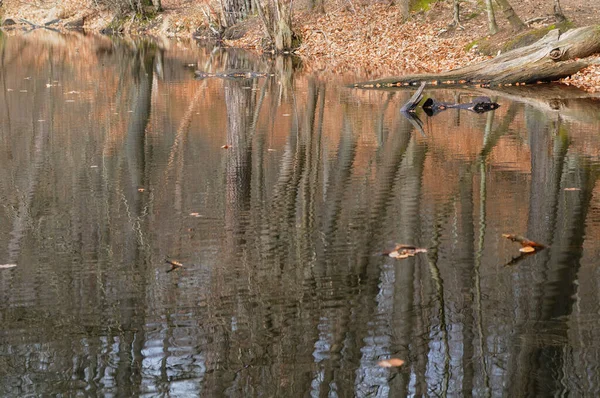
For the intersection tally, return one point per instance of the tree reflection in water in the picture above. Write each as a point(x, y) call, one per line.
point(112, 161)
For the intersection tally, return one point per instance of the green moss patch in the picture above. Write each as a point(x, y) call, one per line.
point(531, 36)
point(421, 5)
point(491, 45)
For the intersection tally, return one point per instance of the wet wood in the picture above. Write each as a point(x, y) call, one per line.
point(478, 105)
point(555, 56)
point(412, 103)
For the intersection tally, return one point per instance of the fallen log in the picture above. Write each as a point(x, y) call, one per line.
point(553, 57)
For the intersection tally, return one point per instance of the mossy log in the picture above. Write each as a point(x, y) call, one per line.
point(555, 56)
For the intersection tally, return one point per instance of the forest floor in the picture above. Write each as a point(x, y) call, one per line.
point(367, 39)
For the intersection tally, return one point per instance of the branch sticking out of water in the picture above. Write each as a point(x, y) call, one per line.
point(414, 100)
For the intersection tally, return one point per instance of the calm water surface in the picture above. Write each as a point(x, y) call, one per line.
point(112, 161)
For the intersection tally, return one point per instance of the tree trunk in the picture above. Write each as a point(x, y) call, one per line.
point(491, 17)
point(551, 58)
point(318, 6)
point(511, 15)
point(558, 13)
point(143, 6)
point(283, 30)
point(234, 11)
point(456, 13)
point(404, 6)
point(277, 23)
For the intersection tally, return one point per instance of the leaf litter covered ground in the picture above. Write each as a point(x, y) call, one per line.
point(358, 42)
point(366, 39)
point(371, 40)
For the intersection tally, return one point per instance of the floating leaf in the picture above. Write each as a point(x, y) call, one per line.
point(396, 254)
point(527, 249)
point(523, 241)
point(5, 266)
point(572, 189)
point(389, 363)
point(174, 265)
point(405, 251)
point(225, 146)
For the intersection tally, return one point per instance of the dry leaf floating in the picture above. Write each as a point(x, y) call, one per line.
point(523, 241)
point(527, 245)
point(390, 363)
point(405, 251)
point(174, 265)
point(527, 249)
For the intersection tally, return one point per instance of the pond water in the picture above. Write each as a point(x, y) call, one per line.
point(279, 195)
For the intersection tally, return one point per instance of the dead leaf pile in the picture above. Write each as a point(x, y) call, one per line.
point(373, 40)
point(587, 79)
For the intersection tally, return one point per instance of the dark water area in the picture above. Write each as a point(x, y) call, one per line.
point(279, 195)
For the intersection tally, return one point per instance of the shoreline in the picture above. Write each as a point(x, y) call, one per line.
point(343, 40)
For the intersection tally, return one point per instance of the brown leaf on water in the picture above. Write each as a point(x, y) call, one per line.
point(226, 146)
point(405, 251)
point(523, 241)
point(527, 249)
point(389, 363)
point(174, 265)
